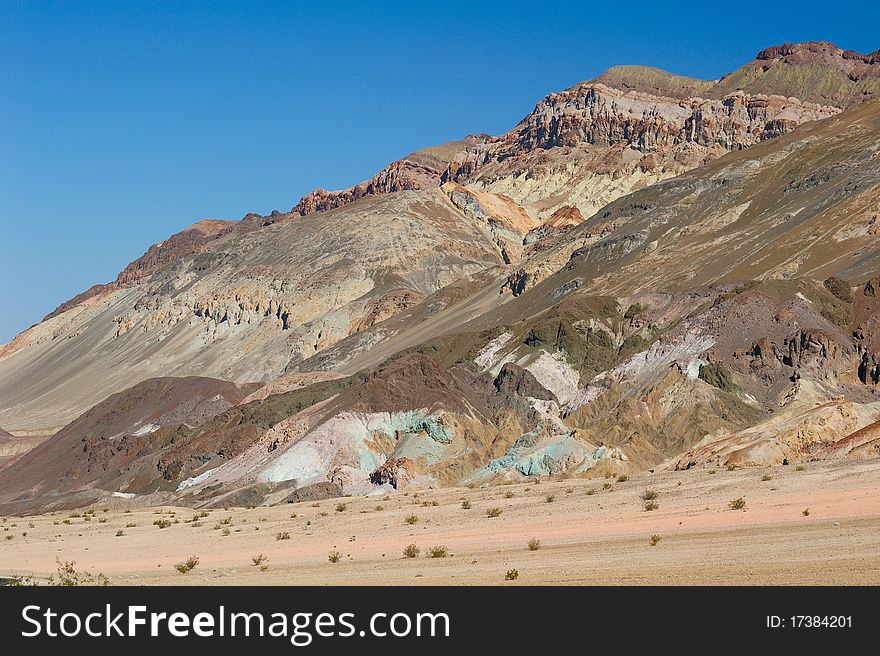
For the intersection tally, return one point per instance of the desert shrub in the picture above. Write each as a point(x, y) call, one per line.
point(411, 519)
point(534, 544)
point(283, 535)
point(341, 507)
point(649, 495)
point(551, 498)
point(766, 477)
point(654, 540)
point(334, 556)
point(20, 582)
point(511, 575)
point(508, 495)
point(225, 532)
point(187, 565)
point(68, 576)
point(466, 505)
point(162, 523)
point(623, 478)
point(438, 551)
point(120, 533)
point(411, 551)
point(737, 504)
point(651, 505)
point(258, 560)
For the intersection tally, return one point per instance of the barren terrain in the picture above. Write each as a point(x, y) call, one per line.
point(588, 534)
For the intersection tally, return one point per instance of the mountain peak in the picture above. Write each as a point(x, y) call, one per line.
point(816, 71)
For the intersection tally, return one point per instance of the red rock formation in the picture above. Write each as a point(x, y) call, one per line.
point(395, 472)
point(567, 216)
point(398, 176)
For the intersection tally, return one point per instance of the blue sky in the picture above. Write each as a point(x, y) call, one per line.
point(122, 123)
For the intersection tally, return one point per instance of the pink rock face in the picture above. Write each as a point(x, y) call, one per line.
point(565, 217)
point(598, 115)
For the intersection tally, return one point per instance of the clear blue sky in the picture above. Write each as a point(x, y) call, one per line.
point(122, 123)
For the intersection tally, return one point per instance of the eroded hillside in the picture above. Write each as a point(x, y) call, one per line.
point(647, 272)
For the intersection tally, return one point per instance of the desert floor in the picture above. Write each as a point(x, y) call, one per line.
point(589, 534)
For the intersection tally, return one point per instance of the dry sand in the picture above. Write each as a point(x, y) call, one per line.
point(598, 538)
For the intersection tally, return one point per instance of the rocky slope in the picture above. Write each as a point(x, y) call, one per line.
point(639, 122)
point(481, 322)
point(244, 309)
point(93, 450)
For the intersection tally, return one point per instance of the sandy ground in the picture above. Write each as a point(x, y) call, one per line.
point(588, 534)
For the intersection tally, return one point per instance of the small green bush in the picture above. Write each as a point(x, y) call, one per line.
point(438, 552)
point(187, 565)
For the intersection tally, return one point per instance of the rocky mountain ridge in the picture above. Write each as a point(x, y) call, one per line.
point(626, 280)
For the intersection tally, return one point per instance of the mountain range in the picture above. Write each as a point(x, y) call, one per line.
point(647, 272)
